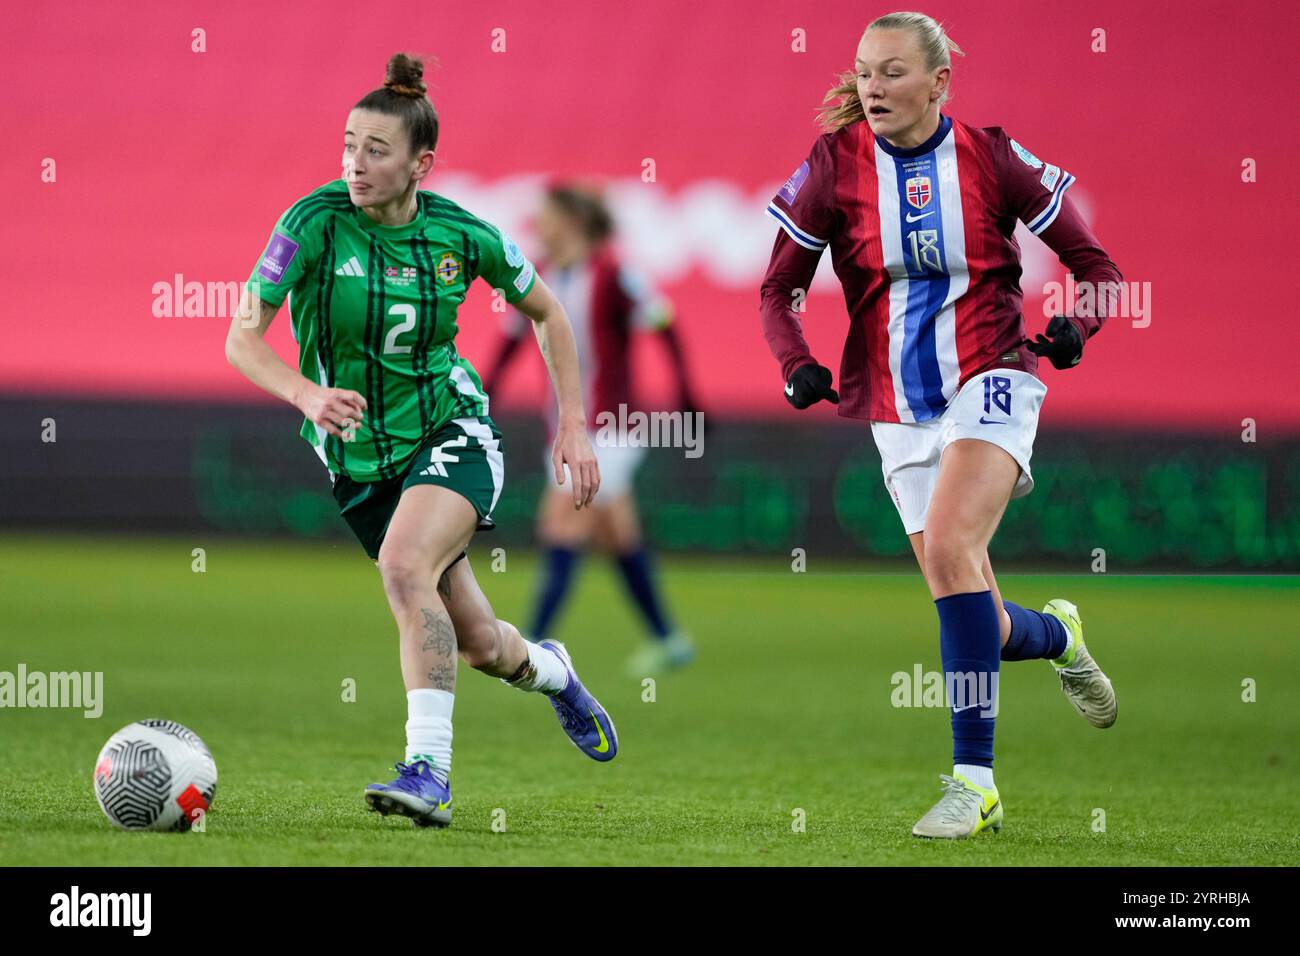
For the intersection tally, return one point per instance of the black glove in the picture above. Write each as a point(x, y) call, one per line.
point(809, 385)
point(1063, 343)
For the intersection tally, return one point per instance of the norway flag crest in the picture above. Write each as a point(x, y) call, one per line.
point(918, 192)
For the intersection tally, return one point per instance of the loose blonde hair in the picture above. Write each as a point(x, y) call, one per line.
point(841, 105)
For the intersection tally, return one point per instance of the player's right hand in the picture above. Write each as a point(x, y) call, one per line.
point(573, 448)
point(333, 409)
point(809, 385)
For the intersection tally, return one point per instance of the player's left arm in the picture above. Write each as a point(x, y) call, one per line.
point(555, 339)
point(1037, 194)
point(503, 264)
point(1074, 243)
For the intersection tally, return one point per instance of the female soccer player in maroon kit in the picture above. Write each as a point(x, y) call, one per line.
point(918, 210)
point(607, 303)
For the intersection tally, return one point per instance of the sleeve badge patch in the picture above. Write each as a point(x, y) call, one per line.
point(1028, 158)
point(514, 255)
point(277, 257)
point(524, 277)
point(794, 183)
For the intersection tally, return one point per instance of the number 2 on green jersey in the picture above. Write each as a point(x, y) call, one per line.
point(390, 344)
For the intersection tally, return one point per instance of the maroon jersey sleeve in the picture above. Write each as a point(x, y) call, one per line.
point(804, 207)
point(805, 210)
point(1035, 193)
point(789, 274)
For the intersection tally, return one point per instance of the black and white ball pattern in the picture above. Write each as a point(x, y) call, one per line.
point(155, 775)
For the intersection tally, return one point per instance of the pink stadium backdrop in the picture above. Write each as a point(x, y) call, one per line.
point(171, 162)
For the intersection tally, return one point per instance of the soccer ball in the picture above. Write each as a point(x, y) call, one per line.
point(155, 775)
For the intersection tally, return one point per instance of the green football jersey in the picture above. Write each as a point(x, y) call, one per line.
point(373, 309)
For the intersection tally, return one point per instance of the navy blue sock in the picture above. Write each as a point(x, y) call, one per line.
point(555, 586)
point(638, 574)
point(1033, 635)
point(968, 644)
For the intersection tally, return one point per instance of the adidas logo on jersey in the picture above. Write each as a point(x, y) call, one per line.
point(350, 268)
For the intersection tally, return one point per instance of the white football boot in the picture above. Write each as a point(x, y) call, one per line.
point(963, 811)
point(1086, 687)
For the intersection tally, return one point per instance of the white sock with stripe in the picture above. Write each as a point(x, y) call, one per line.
point(428, 727)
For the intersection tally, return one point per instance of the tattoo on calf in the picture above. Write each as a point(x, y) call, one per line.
point(440, 636)
point(443, 676)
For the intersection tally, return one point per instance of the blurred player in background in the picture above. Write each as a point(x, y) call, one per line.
point(918, 210)
point(606, 302)
point(378, 269)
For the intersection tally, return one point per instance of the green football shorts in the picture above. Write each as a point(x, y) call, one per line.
point(464, 455)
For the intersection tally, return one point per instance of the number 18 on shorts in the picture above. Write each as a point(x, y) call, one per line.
point(999, 406)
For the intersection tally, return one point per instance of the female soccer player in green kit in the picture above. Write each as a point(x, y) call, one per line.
point(377, 269)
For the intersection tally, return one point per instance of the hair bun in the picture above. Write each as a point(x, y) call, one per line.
point(405, 75)
point(405, 90)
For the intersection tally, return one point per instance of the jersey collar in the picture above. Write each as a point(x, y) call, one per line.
point(394, 232)
point(945, 124)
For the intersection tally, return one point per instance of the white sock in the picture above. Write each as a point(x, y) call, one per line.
point(1069, 643)
point(980, 776)
point(545, 671)
point(428, 727)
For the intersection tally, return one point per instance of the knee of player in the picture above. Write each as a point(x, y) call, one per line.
point(948, 564)
point(403, 573)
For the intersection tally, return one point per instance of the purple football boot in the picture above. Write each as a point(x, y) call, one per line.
point(581, 716)
point(417, 793)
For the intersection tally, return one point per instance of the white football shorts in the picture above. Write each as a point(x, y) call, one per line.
point(999, 406)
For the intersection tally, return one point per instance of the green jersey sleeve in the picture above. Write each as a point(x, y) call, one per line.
point(502, 264)
point(293, 249)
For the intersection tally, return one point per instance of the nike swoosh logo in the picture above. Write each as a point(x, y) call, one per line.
point(990, 421)
point(443, 806)
point(604, 741)
point(789, 389)
point(911, 218)
point(985, 816)
point(958, 710)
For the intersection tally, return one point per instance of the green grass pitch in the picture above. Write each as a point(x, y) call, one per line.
point(786, 715)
